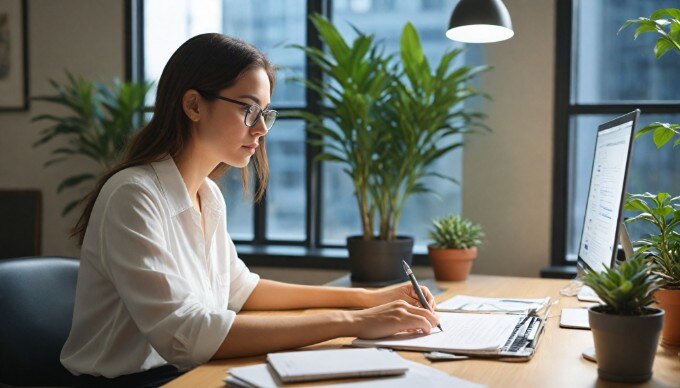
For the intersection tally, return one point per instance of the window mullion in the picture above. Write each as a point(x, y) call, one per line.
point(313, 170)
point(563, 63)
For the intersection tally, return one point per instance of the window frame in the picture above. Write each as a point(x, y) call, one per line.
point(565, 110)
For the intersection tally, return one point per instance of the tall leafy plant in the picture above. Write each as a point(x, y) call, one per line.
point(421, 122)
point(355, 87)
point(661, 210)
point(99, 121)
point(386, 119)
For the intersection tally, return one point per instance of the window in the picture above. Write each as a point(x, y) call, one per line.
point(307, 205)
point(601, 75)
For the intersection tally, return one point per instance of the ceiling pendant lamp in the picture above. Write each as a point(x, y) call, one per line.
point(480, 21)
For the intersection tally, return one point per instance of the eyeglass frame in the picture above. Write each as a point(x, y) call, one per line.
point(245, 118)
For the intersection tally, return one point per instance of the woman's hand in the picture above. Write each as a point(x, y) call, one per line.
point(406, 293)
point(391, 318)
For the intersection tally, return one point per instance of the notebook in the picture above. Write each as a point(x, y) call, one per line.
point(292, 367)
point(498, 335)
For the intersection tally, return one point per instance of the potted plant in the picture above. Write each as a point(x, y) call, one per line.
point(100, 121)
point(662, 250)
point(625, 330)
point(386, 121)
point(455, 241)
point(661, 211)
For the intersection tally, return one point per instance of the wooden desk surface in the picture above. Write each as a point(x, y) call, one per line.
point(557, 362)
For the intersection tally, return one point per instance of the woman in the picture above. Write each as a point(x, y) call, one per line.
point(160, 282)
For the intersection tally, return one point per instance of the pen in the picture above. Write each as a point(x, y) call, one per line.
point(416, 287)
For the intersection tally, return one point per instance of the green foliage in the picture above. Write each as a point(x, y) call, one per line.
point(455, 232)
point(386, 119)
point(665, 23)
point(98, 123)
point(662, 133)
point(626, 289)
point(661, 211)
point(662, 248)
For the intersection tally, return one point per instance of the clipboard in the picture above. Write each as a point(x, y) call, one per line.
point(517, 336)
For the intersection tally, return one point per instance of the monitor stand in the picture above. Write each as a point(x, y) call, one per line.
point(584, 293)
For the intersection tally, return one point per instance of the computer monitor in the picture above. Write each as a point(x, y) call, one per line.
point(601, 224)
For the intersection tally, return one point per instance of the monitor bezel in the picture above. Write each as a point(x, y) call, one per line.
point(628, 117)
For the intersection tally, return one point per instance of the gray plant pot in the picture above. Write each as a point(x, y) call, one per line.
point(625, 345)
point(378, 262)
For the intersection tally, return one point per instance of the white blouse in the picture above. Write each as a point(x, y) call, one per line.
point(152, 287)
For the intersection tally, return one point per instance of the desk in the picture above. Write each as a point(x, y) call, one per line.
point(557, 362)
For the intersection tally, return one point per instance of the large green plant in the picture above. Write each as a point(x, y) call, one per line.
point(355, 87)
point(665, 23)
point(660, 210)
point(386, 119)
point(662, 213)
point(97, 126)
point(626, 289)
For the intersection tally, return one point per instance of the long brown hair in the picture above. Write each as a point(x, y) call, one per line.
point(207, 62)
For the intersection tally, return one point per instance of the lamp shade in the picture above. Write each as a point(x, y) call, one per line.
point(480, 21)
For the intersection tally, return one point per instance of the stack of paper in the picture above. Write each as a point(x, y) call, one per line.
point(476, 334)
point(473, 304)
point(319, 365)
point(418, 375)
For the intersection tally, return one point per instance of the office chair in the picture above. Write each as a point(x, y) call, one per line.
point(37, 295)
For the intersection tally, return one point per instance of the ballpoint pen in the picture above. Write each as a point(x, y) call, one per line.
point(416, 287)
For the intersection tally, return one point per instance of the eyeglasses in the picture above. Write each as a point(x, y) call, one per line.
point(253, 112)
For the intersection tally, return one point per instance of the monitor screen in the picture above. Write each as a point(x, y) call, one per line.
point(605, 196)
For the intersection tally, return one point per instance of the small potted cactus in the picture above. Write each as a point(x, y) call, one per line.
point(455, 241)
point(625, 329)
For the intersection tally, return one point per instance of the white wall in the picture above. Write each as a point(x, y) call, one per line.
point(507, 175)
point(507, 185)
point(85, 37)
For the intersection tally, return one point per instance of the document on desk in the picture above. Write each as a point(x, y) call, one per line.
point(418, 375)
point(481, 334)
point(474, 304)
point(263, 376)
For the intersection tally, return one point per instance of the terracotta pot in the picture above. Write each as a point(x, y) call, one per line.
point(452, 264)
point(669, 301)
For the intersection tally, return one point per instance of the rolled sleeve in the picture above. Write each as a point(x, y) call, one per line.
point(242, 282)
point(159, 300)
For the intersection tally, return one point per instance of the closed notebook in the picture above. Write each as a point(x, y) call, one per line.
point(335, 363)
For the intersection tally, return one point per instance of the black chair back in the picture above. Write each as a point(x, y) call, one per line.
point(37, 295)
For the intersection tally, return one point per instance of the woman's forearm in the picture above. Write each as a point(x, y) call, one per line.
point(252, 335)
point(272, 295)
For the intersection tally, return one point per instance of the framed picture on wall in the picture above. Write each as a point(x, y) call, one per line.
point(13, 55)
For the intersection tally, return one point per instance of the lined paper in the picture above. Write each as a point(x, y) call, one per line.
point(467, 333)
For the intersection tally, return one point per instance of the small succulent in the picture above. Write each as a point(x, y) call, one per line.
point(455, 232)
point(626, 289)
